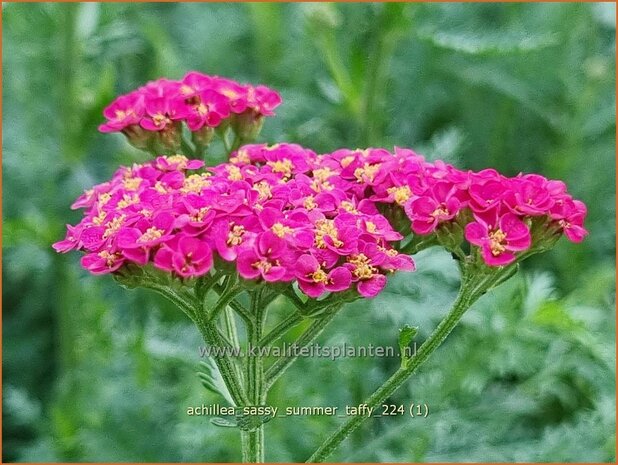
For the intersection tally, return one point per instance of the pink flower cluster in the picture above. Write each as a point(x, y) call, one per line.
point(197, 99)
point(282, 213)
point(435, 194)
point(281, 220)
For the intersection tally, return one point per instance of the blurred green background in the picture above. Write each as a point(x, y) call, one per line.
point(92, 372)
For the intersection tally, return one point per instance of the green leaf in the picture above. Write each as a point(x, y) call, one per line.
point(211, 379)
point(224, 422)
point(406, 335)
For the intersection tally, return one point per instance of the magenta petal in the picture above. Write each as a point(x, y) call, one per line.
point(303, 239)
point(147, 124)
point(270, 244)
point(92, 238)
point(513, 226)
point(306, 264)
point(476, 233)
point(575, 233)
point(127, 238)
point(423, 227)
point(269, 216)
point(372, 287)
point(244, 264)
point(312, 289)
point(517, 245)
point(496, 260)
point(276, 273)
point(163, 258)
point(341, 279)
point(422, 207)
point(194, 164)
point(164, 221)
point(403, 262)
point(138, 255)
point(188, 245)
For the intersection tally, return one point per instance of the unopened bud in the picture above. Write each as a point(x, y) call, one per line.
point(247, 125)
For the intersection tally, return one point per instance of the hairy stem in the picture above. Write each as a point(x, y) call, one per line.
point(315, 329)
point(210, 334)
point(472, 287)
point(293, 320)
point(253, 440)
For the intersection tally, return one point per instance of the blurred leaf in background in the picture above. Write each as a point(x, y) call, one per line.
point(96, 373)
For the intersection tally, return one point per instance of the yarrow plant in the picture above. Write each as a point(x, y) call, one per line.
point(280, 221)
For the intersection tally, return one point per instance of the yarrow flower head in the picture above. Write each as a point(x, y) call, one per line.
point(152, 116)
point(282, 213)
point(264, 217)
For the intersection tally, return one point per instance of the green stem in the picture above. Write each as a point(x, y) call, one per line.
point(226, 142)
point(315, 329)
point(229, 322)
point(253, 441)
point(186, 147)
point(210, 334)
point(226, 366)
point(472, 287)
point(230, 327)
point(282, 328)
point(230, 290)
point(236, 143)
point(242, 312)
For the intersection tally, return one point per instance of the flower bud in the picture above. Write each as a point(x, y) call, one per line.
point(203, 137)
point(168, 139)
point(138, 137)
point(248, 124)
point(450, 235)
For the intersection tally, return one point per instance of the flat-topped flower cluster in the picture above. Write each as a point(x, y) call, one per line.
point(201, 102)
point(282, 213)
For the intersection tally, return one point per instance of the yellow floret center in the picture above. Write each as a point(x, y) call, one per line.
point(322, 174)
point(362, 266)
point(349, 207)
point(195, 183)
point(496, 242)
point(263, 265)
point(131, 184)
point(181, 160)
point(112, 227)
point(400, 194)
point(284, 167)
point(281, 230)
point(440, 211)
point(128, 200)
point(242, 156)
point(151, 234)
point(198, 215)
point(110, 258)
point(234, 237)
point(319, 276)
point(367, 172)
point(160, 120)
point(309, 203)
point(263, 189)
point(234, 173)
point(326, 228)
point(99, 219)
point(104, 198)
